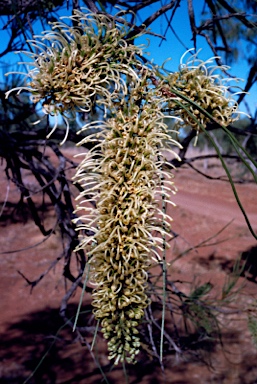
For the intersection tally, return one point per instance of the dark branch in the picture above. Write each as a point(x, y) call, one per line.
point(12, 7)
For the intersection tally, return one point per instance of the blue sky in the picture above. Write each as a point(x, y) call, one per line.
point(171, 48)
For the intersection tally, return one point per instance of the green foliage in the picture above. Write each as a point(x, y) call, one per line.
point(199, 312)
point(252, 326)
point(200, 291)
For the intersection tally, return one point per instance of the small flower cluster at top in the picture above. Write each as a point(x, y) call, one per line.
point(201, 82)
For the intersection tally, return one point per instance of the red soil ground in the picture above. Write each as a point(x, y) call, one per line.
point(29, 321)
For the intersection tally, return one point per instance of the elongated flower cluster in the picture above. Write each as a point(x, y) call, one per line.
point(200, 83)
point(124, 179)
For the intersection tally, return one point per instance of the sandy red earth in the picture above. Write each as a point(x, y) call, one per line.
point(29, 321)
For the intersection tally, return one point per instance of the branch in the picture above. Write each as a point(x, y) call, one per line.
point(216, 20)
point(242, 18)
point(192, 20)
point(35, 282)
point(210, 22)
point(252, 77)
point(169, 26)
point(91, 6)
point(141, 5)
point(9, 47)
point(158, 13)
point(13, 7)
point(70, 293)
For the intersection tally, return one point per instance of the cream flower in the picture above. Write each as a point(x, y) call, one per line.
point(202, 83)
point(124, 174)
point(77, 67)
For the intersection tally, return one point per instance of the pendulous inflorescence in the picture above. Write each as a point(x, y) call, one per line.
point(125, 179)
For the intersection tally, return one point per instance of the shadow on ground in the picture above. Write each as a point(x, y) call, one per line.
point(65, 361)
point(40, 338)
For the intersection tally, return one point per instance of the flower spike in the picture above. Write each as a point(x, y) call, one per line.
point(128, 175)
